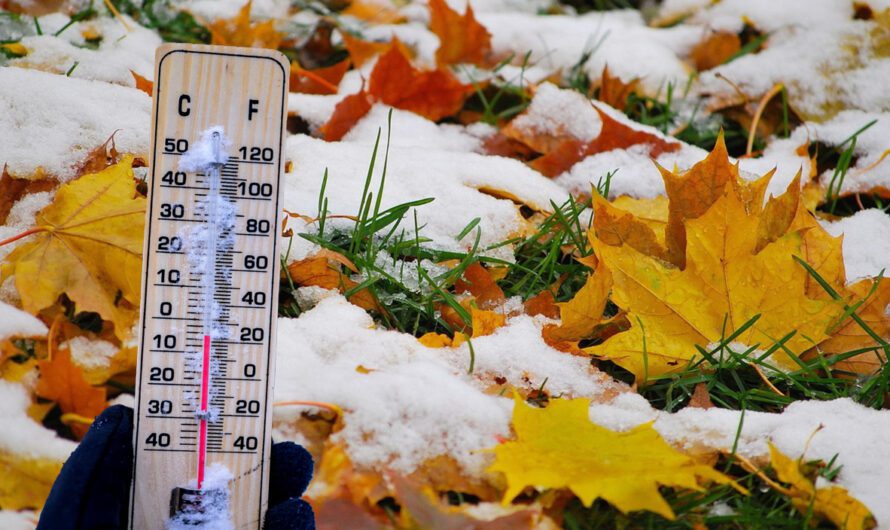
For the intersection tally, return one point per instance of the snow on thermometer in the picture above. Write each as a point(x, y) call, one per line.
point(210, 289)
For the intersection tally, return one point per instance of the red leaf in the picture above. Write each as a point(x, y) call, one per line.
point(433, 94)
point(462, 39)
point(346, 114)
point(317, 81)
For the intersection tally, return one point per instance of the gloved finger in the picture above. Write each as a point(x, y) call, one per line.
point(92, 491)
point(293, 514)
point(290, 471)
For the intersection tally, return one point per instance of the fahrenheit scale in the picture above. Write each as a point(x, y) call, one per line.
point(210, 289)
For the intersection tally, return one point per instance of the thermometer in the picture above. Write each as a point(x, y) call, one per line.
point(209, 289)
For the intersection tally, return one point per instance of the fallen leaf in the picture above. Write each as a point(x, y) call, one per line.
point(462, 39)
point(719, 274)
point(580, 315)
point(832, 502)
point(715, 49)
point(323, 270)
point(25, 482)
point(543, 303)
point(422, 508)
point(613, 135)
point(433, 94)
point(63, 382)
point(851, 336)
point(143, 84)
point(319, 80)
point(238, 31)
point(15, 188)
point(613, 91)
point(361, 50)
point(701, 398)
point(373, 12)
point(559, 447)
point(486, 322)
point(478, 281)
point(346, 114)
point(88, 245)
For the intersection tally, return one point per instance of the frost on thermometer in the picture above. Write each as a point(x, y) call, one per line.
point(205, 502)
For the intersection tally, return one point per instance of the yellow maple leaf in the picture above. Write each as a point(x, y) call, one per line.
point(559, 447)
point(833, 502)
point(727, 266)
point(87, 245)
point(25, 482)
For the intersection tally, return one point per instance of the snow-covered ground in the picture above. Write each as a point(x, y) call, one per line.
point(404, 403)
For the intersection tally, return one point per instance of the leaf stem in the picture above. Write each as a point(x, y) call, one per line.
point(26, 233)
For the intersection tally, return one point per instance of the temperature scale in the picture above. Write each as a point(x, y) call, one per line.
point(210, 289)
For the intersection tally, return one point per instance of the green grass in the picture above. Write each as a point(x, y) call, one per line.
point(171, 24)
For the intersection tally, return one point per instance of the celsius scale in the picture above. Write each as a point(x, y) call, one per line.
point(210, 289)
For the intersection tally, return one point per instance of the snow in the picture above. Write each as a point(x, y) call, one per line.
point(559, 112)
point(411, 130)
point(214, 512)
point(453, 179)
point(70, 117)
point(415, 402)
point(866, 243)
point(91, 354)
point(119, 51)
point(23, 437)
point(617, 38)
point(16, 323)
point(10, 520)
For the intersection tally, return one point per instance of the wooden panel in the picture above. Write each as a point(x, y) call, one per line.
point(244, 91)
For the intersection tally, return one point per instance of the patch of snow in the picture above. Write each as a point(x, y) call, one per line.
point(10, 520)
point(411, 130)
point(21, 435)
point(91, 354)
point(416, 402)
point(866, 243)
point(69, 117)
point(16, 323)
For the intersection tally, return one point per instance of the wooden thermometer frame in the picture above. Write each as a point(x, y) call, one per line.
point(245, 91)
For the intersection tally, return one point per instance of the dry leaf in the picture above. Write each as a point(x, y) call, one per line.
point(346, 114)
point(373, 12)
point(143, 84)
point(63, 382)
point(361, 50)
point(832, 502)
point(88, 245)
point(25, 482)
point(613, 91)
point(716, 280)
point(462, 39)
point(433, 94)
point(323, 270)
point(16, 188)
point(319, 80)
point(559, 447)
point(613, 135)
point(486, 322)
point(238, 31)
point(715, 50)
point(478, 281)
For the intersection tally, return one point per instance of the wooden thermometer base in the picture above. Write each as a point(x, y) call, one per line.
point(210, 289)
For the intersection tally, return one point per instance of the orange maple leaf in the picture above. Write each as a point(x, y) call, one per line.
point(63, 382)
point(346, 114)
point(319, 80)
point(478, 281)
point(373, 12)
point(613, 135)
point(361, 50)
point(462, 39)
point(238, 31)
point(142, 83)
point(433, 94)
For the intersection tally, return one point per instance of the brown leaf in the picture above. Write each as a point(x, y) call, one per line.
point(346, 114)
point(143, 84)
point(319, 80)
point(63, 382)
point(14, 189)
point(715, 50)
point(613, 135)
point(543, 303)
point(478, 281)
point(238, 31)
point(462, 39)
point(433, 94)
point(323, 270)
point(613, 91)
point(701, 398)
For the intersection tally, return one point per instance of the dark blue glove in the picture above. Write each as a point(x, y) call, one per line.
point(93, 490)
